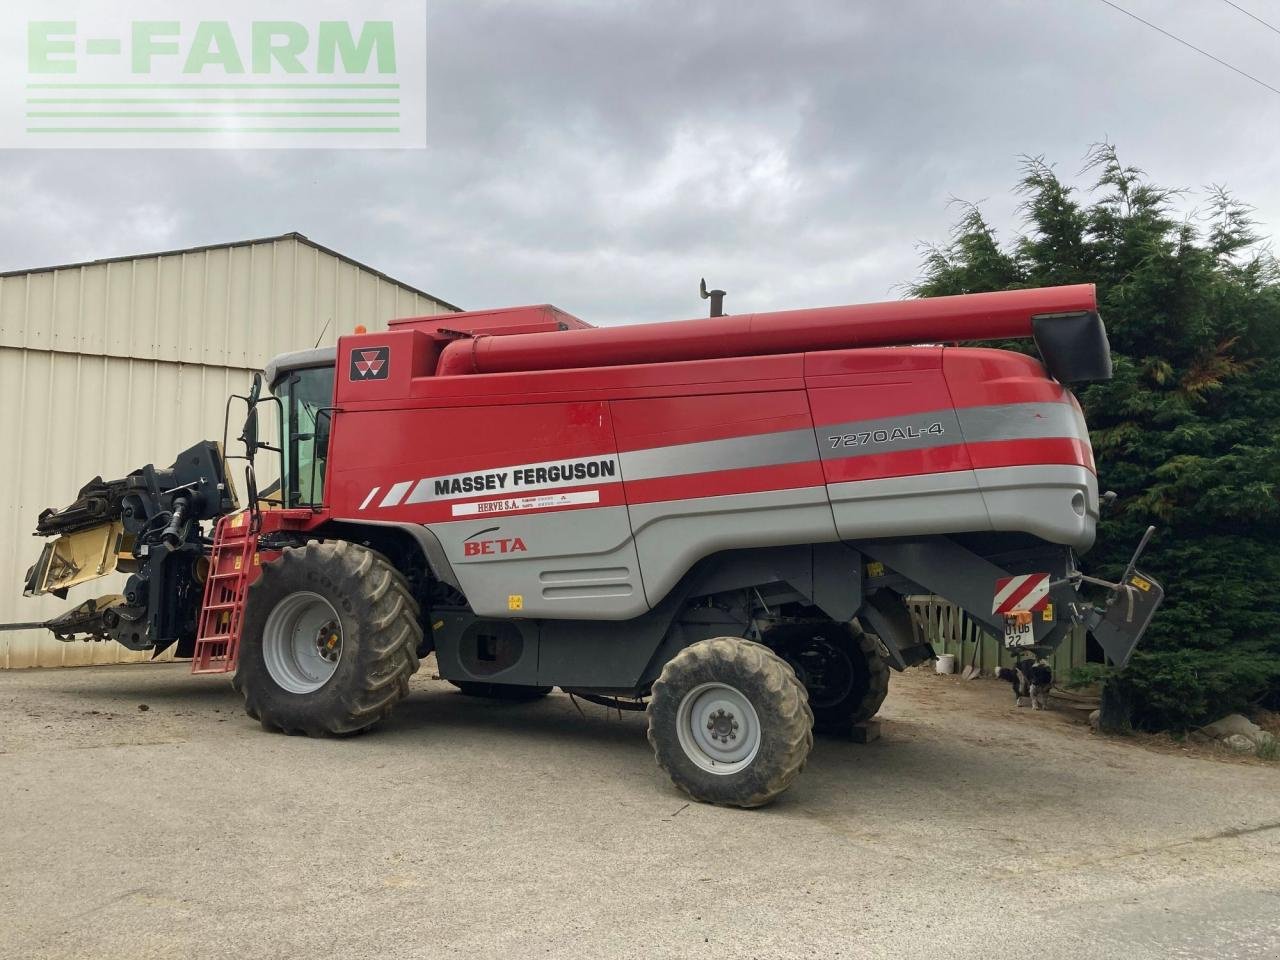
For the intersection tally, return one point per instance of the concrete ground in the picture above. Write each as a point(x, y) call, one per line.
point(464, 828)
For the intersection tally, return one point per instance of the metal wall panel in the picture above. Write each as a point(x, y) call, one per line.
point(109, 366)
point(234, 306)
point(71, 417)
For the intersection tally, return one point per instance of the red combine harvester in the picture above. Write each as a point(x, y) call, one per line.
point(714, 520)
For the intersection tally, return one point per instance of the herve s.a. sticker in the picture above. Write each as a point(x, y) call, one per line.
point(545, 501)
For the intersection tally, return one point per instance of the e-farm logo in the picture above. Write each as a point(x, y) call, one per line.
point(195, 73)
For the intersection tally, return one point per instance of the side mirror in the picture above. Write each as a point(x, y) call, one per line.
point(249, 435)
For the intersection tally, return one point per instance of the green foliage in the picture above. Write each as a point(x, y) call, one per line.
point(1086, 676)
point(1187, 432)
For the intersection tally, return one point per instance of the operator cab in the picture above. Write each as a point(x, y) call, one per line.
point(302, 386)
point(302, 390)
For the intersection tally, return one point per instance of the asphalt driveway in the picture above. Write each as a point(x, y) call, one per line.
point(466, 828)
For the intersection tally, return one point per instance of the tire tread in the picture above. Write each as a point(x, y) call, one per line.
point(390, 628)
point(792, 732)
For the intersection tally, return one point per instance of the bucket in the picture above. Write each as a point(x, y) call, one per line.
point(946, 663)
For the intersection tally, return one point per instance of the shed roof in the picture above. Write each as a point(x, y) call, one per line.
point(301, 238)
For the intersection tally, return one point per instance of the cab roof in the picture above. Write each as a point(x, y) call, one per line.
point(299, 360)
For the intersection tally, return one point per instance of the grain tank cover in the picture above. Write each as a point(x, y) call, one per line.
point(503, 321)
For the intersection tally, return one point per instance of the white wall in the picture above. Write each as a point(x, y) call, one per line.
point(109, 366)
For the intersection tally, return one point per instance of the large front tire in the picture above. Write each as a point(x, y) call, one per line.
point(329, 642)
point(730, 723)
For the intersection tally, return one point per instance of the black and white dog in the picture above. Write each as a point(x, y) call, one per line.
point(1030, 678)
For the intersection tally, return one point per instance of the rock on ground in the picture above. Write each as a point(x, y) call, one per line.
point(1234, 724)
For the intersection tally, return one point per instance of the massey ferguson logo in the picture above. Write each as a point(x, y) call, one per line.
point(471, 547)
point(370, 363)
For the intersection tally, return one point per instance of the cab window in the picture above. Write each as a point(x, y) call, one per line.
point(307, 400)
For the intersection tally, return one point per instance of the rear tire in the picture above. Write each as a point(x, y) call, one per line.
point(329, 642)
point(511, 692)
point(841, 668)
point(729, 722)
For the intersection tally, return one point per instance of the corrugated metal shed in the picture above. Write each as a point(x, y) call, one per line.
point(110, 365)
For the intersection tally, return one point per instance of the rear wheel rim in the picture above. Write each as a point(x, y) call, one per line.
point(302, 642)
point(826, 670)
point(718, 728)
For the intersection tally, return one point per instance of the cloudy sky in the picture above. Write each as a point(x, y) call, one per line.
point(604, 155)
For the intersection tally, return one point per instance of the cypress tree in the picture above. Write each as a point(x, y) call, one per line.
point(1187, 432)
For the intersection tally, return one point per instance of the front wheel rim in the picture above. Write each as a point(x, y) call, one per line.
point(302, 642)
point(718, 728)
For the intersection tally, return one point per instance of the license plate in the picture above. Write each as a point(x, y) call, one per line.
point(1018, 635)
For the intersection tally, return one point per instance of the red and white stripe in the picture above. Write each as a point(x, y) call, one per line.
point(1030, 591)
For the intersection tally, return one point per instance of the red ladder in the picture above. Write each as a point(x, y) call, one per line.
point(221, 614)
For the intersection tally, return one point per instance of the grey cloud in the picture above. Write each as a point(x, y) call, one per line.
point(603, 156)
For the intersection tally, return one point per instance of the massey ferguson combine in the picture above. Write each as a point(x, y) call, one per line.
point(714, 521)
